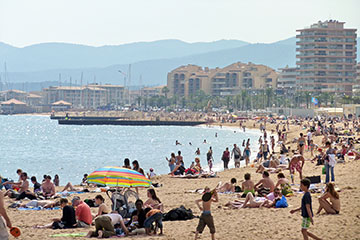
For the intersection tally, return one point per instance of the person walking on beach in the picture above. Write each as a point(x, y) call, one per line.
point(330, 162)
point(206, 218)
point(226, 158)
point(247, 152)
point(3, 216)
point(306, 210)
point(209, 157)
point(297, 162)
point(236, 153)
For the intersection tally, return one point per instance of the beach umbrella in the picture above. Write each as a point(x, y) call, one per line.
point(118, 177)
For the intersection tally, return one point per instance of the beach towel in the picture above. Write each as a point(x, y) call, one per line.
point(37, 208)
point(69, 235)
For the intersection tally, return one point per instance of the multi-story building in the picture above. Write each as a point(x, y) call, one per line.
point(152, 91)
point(326, 58)
point(115, 94)
point(356, 87)
point(287, 79)
point(88, 97)
point(230, 80)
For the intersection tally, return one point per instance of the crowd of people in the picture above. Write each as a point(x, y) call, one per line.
point(276, 154)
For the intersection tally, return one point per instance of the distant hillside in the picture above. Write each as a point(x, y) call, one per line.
point(47, 56)
point(154, 71)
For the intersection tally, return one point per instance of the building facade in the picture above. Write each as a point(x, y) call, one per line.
point(287, 80)
point(326, 58)
point(188, 80)
point(88, 97)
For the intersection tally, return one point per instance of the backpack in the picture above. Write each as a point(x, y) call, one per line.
point(179, 214)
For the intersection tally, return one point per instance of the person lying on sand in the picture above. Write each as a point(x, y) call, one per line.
point(252, 202)
point(226, 187)
point(70, 188)
point(40, 203)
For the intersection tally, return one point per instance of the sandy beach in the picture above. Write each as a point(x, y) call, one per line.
point(231, 224)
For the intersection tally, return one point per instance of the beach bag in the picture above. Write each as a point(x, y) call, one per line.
point(282, 203)
point(314, 179)
point(179, 214)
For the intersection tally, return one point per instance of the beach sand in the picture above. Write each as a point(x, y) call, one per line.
point(231, 224)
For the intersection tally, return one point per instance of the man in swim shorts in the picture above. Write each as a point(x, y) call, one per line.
point(236, 152)
point(296, 163)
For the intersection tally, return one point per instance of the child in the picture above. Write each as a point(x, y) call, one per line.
point(306, 210)
point(154, 215)
point(151, 174)
point(206, 219)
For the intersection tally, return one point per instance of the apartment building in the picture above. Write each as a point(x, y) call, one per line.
point(326, 58)
point(230, 80)
point(152, 91)
point(287, 79)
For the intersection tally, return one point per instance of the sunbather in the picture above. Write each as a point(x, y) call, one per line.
point(226, 187)
point(332, 207)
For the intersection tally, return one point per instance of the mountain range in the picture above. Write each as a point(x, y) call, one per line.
point(150, 61)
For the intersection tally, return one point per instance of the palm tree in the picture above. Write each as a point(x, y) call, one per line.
point(269, 94)
point(165, 90)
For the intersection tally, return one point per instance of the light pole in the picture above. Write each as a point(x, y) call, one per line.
point(125, 75)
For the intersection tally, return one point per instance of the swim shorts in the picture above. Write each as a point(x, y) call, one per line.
point(206, 220)
point(296, 166)
point(305, 223)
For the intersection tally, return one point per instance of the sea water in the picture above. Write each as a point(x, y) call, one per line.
point(40, 146)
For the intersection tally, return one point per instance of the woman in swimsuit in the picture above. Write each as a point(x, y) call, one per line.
point(153, 201)
point(301, 145)
point(247, 153)
point(332, 207)
point(103, 209)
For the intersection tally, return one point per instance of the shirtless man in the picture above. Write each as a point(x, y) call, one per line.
point(179, 159)
point(297, 162)
point(206, 219)
point(24, 186)
point(236, 153)
point(265, 185)
point(48, 187)
point(3, 216)
point(227, 187)
point(248, 185)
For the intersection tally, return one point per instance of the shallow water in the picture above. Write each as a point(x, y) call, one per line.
point(40, 146)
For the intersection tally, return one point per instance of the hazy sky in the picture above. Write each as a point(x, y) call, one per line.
point(104, 22)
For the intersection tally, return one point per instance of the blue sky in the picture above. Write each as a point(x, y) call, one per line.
point(112, 22)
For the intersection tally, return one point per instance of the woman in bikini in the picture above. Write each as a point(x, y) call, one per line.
point(103, 209)
point(153, 201)
point(301, 145)
point(332, 207)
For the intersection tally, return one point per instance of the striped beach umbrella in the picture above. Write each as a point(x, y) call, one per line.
point(118, 177)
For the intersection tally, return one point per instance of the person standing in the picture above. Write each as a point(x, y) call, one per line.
point(330, 162)
point(209, 157)
point(265, 149)
point(226, 158)
point(236, 153)
point(4, 217)
point(247, 153)
point(306, 210)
